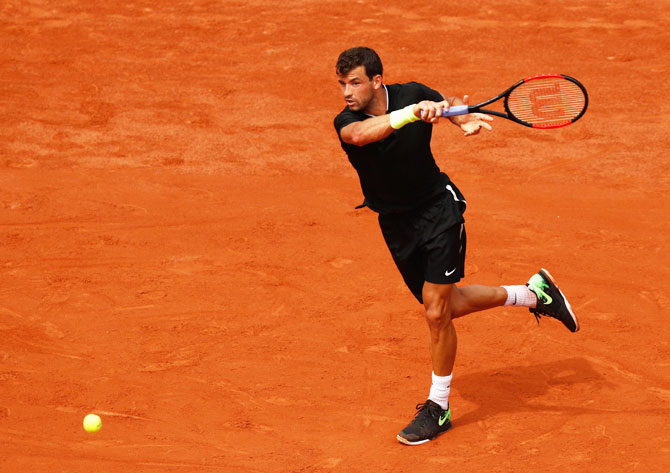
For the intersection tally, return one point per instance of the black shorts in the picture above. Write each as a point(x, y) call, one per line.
point(428, 244)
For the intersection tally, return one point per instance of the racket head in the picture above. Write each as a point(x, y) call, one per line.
point(546, 101)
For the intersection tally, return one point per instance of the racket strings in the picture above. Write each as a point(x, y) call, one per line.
point(546, 101)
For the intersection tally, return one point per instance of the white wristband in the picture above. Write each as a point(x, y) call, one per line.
point(400, 118)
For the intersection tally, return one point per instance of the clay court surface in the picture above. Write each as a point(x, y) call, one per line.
point(179, 249)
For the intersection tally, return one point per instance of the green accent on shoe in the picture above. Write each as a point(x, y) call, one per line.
point(429, 421)
point(447, 416)
point(537, 284)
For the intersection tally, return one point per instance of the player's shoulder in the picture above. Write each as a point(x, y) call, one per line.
point(412, 85)
point(414, 91)
point(345, 117)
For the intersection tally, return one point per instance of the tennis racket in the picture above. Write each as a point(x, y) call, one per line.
point(540, 101)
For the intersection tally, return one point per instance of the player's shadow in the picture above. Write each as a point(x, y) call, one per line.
point(517, 388)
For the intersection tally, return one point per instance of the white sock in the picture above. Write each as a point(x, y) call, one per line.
point(439, 390)
point(520, 296)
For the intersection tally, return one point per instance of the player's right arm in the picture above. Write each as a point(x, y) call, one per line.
point(367, 131)
point(374, 129)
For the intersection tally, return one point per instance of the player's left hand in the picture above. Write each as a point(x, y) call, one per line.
point(472, 123)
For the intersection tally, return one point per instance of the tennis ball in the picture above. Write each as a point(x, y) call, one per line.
point(92, 423)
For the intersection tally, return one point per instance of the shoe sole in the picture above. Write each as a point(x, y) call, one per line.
point(548, 275)
point(404, 441)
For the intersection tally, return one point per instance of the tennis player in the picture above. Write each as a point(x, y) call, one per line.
point(385, 131)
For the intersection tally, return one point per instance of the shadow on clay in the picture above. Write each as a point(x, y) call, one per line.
point(535, 388)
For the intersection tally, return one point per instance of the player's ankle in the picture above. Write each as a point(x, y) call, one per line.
point(520, 296)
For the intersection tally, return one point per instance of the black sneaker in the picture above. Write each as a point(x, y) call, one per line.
point(429, 422)
point(551, 301)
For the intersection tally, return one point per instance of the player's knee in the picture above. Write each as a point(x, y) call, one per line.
point(437, 316)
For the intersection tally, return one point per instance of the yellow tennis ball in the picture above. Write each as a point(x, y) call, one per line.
point(92, 423)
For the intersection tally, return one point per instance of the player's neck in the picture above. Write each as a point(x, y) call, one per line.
point(379, 103)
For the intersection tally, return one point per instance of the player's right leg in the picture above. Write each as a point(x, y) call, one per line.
point(430, 421)
point(434, 416)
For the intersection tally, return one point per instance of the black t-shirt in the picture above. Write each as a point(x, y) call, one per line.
point(397, 173)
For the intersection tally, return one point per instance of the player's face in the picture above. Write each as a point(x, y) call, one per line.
point(357, 88)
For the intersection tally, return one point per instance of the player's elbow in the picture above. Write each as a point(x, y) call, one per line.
point(358, 139)
point(355, 136)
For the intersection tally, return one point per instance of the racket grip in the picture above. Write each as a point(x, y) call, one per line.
point(455, 110)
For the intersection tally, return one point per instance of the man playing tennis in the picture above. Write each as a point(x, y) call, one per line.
point(385, 131)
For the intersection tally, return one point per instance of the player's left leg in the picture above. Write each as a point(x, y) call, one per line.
point(551, 301)
point(476, 297)
point(541, 295)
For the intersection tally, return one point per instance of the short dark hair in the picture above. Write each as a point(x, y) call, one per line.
point(359, 56)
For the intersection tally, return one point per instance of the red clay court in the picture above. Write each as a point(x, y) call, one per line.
point(181, 255)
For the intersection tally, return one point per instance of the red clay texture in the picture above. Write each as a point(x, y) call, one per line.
point(180, 254)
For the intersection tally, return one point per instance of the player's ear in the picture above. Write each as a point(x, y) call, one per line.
point(377, 81)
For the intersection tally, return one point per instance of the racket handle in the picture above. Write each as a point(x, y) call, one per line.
point(455, 110)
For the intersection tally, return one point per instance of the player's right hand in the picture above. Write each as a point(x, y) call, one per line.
point(430, 111)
